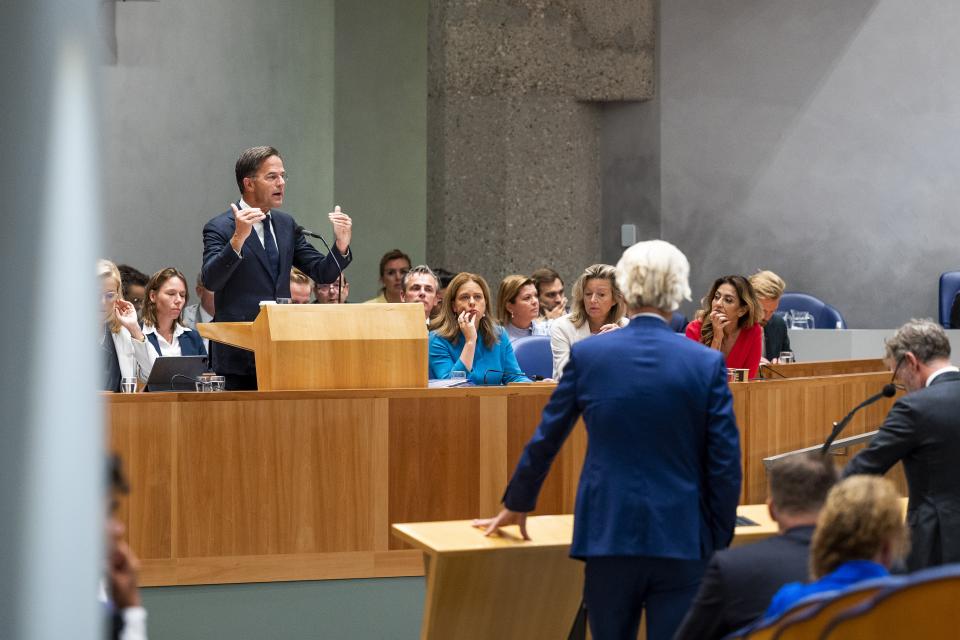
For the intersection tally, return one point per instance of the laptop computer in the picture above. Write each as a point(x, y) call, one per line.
point(176, 373)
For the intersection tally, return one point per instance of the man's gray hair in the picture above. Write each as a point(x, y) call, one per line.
point(419, 270)
point(923, 338)
point(654, 274)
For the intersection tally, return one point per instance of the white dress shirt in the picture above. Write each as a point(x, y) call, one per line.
point(258, 227)
point(166, 348)
point(131, 353)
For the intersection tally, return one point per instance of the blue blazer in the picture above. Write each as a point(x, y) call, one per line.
point(239, 284)
point(662, 474)
point(191, 344)
point(496, 365)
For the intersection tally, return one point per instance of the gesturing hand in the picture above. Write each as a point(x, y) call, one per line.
point(502, 519)
point(126, 314)
point(342, 228)
point(613, 326)
point(558, 310)
point(244, 220)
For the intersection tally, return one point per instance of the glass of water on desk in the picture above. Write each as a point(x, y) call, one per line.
point(128, 385)
point(786, 357)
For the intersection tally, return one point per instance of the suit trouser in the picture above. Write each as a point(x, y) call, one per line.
point(617, 589)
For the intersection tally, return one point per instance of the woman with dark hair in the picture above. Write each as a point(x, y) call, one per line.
point(163, 301)
point(729, 321)
point(393, 265)
point(465, 338)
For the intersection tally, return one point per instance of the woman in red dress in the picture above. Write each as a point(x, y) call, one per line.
point(729, 321)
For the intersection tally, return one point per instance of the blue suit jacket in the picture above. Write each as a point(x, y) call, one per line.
point(191, 344)
point(662, 474)
point(239, 284)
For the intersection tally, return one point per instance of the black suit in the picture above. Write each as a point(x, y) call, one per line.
point(923, 430)
point(955, 313)
point(739, 583)
point(240, 283)
point(775, 337)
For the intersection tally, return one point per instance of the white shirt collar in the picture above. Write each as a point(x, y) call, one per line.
point(178, 330)
point(947, 369)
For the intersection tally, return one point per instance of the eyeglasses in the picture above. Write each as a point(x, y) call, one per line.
point(893, 378)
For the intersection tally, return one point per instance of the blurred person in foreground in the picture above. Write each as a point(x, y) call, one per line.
point(660, 482)
point(729, 321)
point(121, 593)
point(465, 338)
point(769, 288)
point(860, 534)
point(922, 430)
point(598, 307)
point(739, 582)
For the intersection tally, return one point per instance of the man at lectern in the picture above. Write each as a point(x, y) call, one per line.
point(660, 483)
point(249, 249)
point(923, 430)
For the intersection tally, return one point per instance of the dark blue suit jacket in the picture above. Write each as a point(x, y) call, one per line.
point(191, 344)
point(662, 472)
point(239, 284)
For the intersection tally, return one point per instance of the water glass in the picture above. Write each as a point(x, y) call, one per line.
point(459, 376)
point(737, 375)
point(786, 357)
point(208, 384)
point(284, 300)
point(128, 385)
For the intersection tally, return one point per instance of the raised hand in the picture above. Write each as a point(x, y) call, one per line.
point(467, 321)
point(127, 315)
point(506, 517)
point(342, 228)
point(244, 220)
point(557, 311)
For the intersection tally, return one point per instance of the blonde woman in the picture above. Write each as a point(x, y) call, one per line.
point(465, 338)
point(122, 342)
point(598, 307)
point(859, 535)
point(518, 308)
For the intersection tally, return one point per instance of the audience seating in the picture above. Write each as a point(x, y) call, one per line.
point(824, 315)
point(534, 356)
point(949, 287)
point(811, 622)
point(923, 606)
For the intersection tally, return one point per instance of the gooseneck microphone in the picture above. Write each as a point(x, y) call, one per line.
point(305, 232)
point(889, 390)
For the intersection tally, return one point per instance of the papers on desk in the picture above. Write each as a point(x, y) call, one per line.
point(445, 383)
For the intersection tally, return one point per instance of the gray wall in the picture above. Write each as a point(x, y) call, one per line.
point(817, 139)
point(195, 83)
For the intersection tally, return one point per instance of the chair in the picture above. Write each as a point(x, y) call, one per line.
point(534, 355)
point(824, 315)
point(811, 622)
point(924, 606)
point(949, 287)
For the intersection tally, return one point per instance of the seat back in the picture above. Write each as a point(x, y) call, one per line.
point(924, 606)
point(949, 287)
point(678, 322)
point(824, 315)
point(534, 355)
point(811, 622)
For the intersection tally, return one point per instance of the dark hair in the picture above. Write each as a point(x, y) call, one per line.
point(130, 276)
point(444, 276)
point(544, 276)
point(115, 477)
point(393, 254)
point(800, 484)
point(156, 281)
point(747, 297)
point(250, 160)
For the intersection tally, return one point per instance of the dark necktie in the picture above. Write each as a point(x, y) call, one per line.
point(270, 246)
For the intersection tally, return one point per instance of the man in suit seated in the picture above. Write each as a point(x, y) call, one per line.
point(248, 252)
point(739, 582)
point(421, 285)
point(922, 430)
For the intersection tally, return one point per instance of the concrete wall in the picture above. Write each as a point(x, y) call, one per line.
point(193, 84)
point(817, 139)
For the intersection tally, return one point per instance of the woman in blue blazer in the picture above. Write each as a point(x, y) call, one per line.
point(661, 478)
point(465, 338)
point(163, 302)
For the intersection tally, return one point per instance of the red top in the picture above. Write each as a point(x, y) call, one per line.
point(746, 350)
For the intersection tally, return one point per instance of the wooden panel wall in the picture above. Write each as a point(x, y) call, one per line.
point(248, 487)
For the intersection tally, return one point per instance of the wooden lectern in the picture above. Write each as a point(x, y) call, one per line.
point(497, 587)
point(318, 346)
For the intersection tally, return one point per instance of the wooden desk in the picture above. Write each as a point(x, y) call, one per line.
point(273, 486)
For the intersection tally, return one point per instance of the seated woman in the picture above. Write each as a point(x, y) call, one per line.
point(123, 344)
point(860, 533)
point(464, 338)
point(518, 308)
point(393, 265)
point(163, 302)
point(769, 289)
point(598, 307)
point(729, 321)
